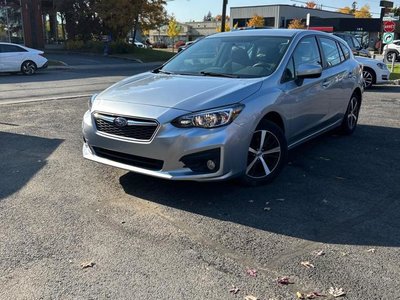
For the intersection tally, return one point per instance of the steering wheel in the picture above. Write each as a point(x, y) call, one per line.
point(262, 64)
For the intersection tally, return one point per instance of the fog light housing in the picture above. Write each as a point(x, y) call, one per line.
point(203, 162)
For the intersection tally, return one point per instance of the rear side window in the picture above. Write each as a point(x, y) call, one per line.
point(331, 52)
point(11, 48)
point(345, 50)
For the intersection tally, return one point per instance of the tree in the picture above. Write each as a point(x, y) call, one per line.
point(396, 11)
point(311, 4)
point(219, 18)
point(345, 10)
point(363, 12)
point(227, 28)
point(208, 17)
point(256, 21)
point(297, 24)
point(81, 20)
point(173, 30)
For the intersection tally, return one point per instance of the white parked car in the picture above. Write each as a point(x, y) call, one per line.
point(374, 71)
point(391, 49)
point(17, 58)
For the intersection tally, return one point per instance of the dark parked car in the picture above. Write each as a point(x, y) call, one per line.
point(354, 44)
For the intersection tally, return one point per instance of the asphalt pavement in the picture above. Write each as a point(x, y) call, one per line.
point(335, 205)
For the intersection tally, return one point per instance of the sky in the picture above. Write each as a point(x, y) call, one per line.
point(188, 10)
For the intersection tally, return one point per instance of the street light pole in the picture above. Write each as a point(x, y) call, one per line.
point(225, 2)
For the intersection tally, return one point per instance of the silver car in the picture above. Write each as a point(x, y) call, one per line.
point(231, 105)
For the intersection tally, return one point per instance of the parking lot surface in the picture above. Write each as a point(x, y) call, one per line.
point(73, 229)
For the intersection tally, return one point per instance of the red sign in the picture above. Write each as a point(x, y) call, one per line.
point(389, 26)
point(321, 28)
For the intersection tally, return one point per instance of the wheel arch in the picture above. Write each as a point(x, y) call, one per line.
point(358, 92)
point(276, 118)
point(373, 73)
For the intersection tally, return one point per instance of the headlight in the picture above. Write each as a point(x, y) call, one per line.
point(210, 118)
point(382, 66)
point(91, 100)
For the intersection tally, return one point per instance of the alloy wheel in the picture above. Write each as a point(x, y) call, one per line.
point(28, 68)
point(368, 78)
point(264, 154)
point(352, 115)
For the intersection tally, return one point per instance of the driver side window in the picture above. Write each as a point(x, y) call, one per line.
point(306, 52)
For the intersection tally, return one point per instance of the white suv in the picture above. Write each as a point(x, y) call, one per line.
point(391, 49)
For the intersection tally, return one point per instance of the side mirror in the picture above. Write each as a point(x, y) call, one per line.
point(308, 71)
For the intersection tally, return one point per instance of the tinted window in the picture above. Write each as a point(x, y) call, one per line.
point(356, 43)
point(331, 52)
point(241, 56)
point(11, 48)
point(346, 51)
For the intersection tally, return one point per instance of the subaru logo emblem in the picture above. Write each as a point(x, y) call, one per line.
point(120, 122)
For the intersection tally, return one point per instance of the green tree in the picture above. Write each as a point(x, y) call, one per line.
point(173, 30)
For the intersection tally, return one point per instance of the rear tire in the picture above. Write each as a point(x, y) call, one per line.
point(28, 67)
point(266, 156)
point(350, 119)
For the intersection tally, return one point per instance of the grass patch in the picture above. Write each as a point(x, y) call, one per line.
point(147, 55)
point(396, 72)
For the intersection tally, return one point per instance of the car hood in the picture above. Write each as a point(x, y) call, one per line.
point(190, 93)
point(367, 61)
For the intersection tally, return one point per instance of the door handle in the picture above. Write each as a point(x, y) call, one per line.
point(326, 84)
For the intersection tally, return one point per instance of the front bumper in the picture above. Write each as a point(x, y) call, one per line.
point(171, 144)
point(382, 76)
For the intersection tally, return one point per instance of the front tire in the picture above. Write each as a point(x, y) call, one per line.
point(350, 119)
point(266, 155)
point(28, 67)
point(369, 78)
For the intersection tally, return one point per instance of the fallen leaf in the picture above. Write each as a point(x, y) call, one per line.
point(234, 290)
point(87, 265)
point(266, 203)
point(299, 295)
point(372, 250)
point(324, 201)
point(319, 253)
point(251, 201)
point(314, 295)
point(307, 264)
point(267, 208)
point(280, 199)
point(284, 280)
point(344, 253)
point(336, 292)
point(340, 178)
point(250, 297)
point(252, 272)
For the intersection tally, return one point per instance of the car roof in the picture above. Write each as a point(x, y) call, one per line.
point(269, 32)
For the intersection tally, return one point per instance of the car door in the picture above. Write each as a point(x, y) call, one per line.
point(339, 77)
point(12, 57)
point(305, 101)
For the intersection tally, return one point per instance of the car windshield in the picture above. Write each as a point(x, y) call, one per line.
point(238, 57)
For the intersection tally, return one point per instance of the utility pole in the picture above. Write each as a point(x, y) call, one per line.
point(225, 3)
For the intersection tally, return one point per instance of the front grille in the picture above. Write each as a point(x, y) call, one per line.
point(128, 159)
point(138, 129)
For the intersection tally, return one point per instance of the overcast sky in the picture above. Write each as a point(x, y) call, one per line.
point(187, 10)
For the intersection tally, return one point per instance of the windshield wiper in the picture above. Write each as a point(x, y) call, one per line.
point(158, 70)
point(219, 74)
